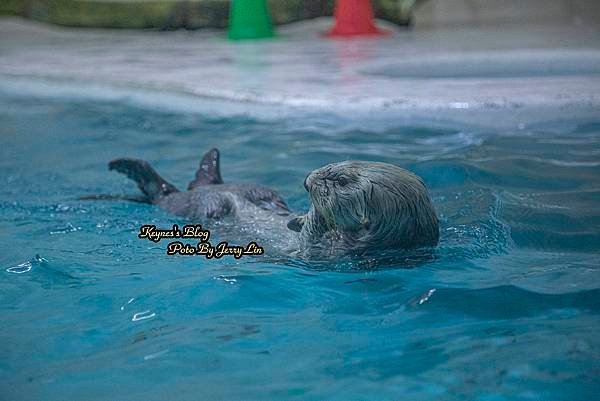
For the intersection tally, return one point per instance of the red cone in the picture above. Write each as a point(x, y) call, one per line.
point(354, 18)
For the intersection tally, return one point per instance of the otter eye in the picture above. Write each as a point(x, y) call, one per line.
point(342, 181)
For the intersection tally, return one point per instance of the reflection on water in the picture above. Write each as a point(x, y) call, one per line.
point(505, 308)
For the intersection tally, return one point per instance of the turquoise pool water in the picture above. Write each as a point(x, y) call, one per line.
point(508, 309)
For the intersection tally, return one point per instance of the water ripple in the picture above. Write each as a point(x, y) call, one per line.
point(147, 314)
point(20, 268)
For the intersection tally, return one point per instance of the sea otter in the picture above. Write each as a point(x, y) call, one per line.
point(357, 207)
point(360, 207)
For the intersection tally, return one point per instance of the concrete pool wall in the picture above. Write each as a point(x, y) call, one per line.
point(482, 75)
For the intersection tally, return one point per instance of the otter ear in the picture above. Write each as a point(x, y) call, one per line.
point(296, 223)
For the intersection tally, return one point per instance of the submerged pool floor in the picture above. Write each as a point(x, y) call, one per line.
point(508, 309)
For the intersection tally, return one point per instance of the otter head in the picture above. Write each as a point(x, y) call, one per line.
point(370, 205)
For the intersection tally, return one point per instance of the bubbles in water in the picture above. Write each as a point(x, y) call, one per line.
point(63, 230)
point(228, 280)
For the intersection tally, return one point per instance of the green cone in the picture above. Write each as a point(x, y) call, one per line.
point(249, 19)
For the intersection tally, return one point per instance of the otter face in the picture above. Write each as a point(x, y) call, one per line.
point(340, 193)
point(372, 202)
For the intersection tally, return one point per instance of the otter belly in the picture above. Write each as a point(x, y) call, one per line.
point(238, 219)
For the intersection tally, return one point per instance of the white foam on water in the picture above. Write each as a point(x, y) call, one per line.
point(142, 316)
point(20, 268)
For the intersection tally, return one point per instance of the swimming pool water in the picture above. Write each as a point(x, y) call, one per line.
point(508, 309)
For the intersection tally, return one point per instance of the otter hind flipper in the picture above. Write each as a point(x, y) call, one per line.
point(209, 171)
point(147, 179)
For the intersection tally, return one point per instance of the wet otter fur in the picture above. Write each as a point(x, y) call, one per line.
point(358, 207)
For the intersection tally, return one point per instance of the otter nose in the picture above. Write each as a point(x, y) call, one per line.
point(306, 183)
